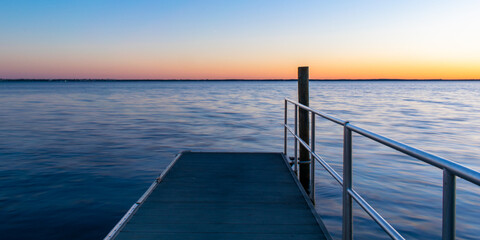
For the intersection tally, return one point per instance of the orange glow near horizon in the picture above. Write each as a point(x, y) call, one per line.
point(352, 69)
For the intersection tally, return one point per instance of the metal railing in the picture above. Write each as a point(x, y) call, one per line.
point(451, 170)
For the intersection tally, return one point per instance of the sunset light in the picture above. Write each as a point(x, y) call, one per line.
point(239, 40)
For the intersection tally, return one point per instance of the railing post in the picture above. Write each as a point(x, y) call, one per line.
point(347, 220)
point(448, 216)
point(303, 128)
point(296, 141)
point(312, 158)
point(285, 130)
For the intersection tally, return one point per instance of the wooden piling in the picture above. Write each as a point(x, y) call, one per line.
point(303, 121)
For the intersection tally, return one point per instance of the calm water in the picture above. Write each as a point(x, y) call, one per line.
point(75, 156)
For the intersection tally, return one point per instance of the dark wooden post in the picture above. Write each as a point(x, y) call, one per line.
point(303, 122)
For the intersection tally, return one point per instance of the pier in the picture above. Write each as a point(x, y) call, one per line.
point(223, 196)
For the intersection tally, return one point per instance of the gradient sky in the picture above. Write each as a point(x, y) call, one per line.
point(239, 39)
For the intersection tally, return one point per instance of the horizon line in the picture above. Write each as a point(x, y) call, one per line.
point(230, 79)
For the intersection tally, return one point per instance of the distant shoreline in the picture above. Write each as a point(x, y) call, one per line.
point(225, 80)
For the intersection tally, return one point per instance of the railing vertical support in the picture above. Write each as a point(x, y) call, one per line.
point(448, 218)
point(296, 141)
point(285, 130)
point(303, 117)
point(347, 220)
point(312, 158)
point(451, 170)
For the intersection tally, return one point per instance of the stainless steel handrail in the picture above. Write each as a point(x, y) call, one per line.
point(450, 169)
point(442, 163)
point(375, 215)
point(321, 114)
point(319, 159)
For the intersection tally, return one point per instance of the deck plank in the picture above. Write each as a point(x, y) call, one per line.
point(225, 196)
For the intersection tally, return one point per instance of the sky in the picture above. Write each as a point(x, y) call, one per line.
point(258, 39)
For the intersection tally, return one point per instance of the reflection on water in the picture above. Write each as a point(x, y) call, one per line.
point(76, 155)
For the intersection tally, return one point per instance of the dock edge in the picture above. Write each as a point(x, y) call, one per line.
point(119, 226)
point(307, 199)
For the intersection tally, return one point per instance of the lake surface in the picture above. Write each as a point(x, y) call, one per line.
point(74, 156)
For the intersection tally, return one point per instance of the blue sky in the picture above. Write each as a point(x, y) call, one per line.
point(239, 39)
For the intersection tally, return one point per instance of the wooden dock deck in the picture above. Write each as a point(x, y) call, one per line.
point(223, 196)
